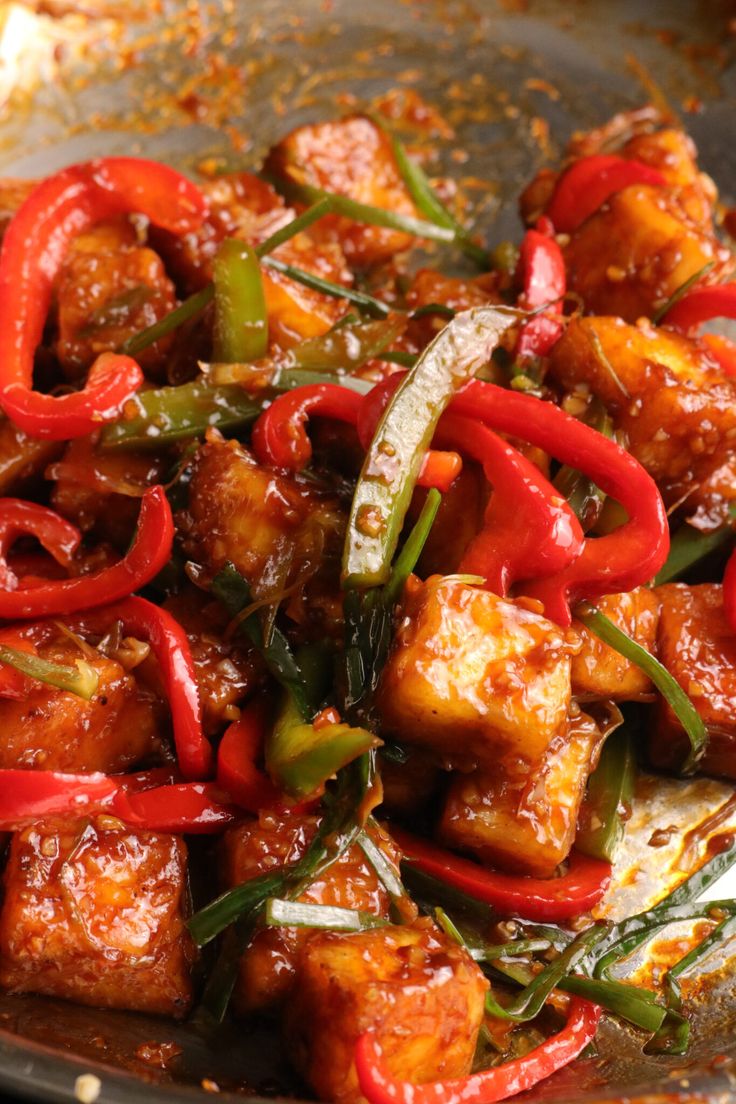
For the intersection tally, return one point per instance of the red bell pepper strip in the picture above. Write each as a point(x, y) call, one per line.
point(194, 808)
point(541, 273)
point(19, 518)
point(701, 305)
point(280, 438)
point(26, 795)
point(239, 748)
point(169, 643)
point(529, 530)
point(589, 182)
point(487, 1086)
point(149, 553)
point(545, 899)
point(622, 560)
point(33, 250)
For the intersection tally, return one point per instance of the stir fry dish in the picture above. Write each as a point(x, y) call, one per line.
point(341, 560)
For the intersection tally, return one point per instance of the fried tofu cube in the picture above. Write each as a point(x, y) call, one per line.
point(351, 157)
point(697, 645)
point(93, 912)
point(632, 254)
point(664, 391)
point(269, 526)
point(51, 729)
point(109, 288)
point(524, 820)
point(672, 152)
point(268, 843)
point(598, 670)
point(419, 991)
point(474, 676)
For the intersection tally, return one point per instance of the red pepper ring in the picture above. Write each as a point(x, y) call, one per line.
point(529, 529)
point(700, 305)
point(149, 553)
point(541, 272)
point(33, 250)
point(487, 1086)
point(589, 182)
point(529, 898)
point(194, 808)
point(19, 518)
point(170, 646)
point(280, 437)
point(239, 748)
point(622, 560)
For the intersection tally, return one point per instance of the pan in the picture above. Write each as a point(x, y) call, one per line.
point(209, 86)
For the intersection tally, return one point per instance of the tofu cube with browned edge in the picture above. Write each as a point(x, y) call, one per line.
point(420, 993)
point(94, 912)
point(268, 843)
point(698, 647)
point(524, 821)
point(598, 670)
point(475, 677)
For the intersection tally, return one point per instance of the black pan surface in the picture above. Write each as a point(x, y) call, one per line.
point(215, 83)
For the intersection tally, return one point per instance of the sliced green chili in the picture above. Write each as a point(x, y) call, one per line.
point(608, 799)
point(403, 435)
point(668, 687)
point(82, 679)
point(240, 331)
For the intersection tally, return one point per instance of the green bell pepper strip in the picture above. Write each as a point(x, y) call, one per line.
point(82, 679)
point(668, 687)
point(301, 758)
point(240, 332)
point(608, 800)
point(403, 435)
point(689, 545)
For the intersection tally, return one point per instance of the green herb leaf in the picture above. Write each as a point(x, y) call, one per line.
point(367, 303)
point(191, 307)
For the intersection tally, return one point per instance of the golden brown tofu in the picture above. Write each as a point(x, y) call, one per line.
point(267, 843)
point(698, 647)
point(475, 677)
point(672, 152)
point(630, 256)
point(430, 286)
point(93, 912)
point(50, 729)
point(101, 491)
point(241, 205)
point(675, 406)
point(599, 671)
point(420, 993)
point(109, 289)
point(272, 528)
point(524, 821)
point(351, 157)
point(227, 671)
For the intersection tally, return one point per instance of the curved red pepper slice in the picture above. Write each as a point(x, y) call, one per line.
point(529, 529)
point(239, 748)
point(280, 437)
point(487, 1086)
point(194, 808)
point(622, 560)
point(19, 518)
point(541, 272)
point(589, 182)
point(170, 646)
point(701, 305)
point(149, 553)
point(33, 250)
point(554, 899)
point(26, 795)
